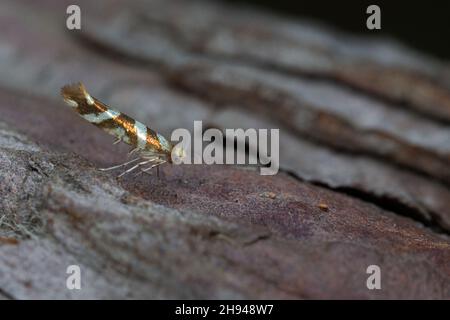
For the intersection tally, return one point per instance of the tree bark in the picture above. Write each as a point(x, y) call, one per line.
point(364, 155)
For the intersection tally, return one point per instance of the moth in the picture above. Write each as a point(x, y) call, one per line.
point(152, 148)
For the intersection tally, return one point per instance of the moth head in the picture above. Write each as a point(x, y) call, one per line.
point(179, 154)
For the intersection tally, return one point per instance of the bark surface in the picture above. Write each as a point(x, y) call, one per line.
point(364, 133)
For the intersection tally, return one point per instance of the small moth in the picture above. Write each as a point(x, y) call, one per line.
point(152, 148)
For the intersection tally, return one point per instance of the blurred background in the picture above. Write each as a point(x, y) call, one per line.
point(424, 26)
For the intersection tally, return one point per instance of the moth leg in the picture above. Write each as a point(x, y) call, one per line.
point(132, 151)
point(134, 167)
point(157, 168)
point(117, 141)
point(120, 165)
point(154, 165)
point(146, 170)
point(153, 160)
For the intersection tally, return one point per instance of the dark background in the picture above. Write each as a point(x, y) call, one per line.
point(424, 25)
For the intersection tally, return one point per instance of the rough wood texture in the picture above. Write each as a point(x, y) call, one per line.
point(364, 129)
